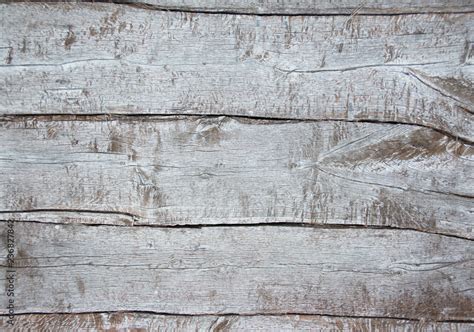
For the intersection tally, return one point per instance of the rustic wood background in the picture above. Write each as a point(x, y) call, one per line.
point(238, 165)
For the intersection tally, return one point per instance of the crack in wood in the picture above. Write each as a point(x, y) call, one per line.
point(432, 84)
point(236, 314)
point(325, 70)
point(104, 117)
point(315, 165)
point(183, 9)
point(245, 225)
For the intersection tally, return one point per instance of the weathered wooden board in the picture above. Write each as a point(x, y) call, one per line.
point(194, 170)
point(109, 58)
point(238, 165)
point(307, 7)
point(245, 270)
point(150, 322)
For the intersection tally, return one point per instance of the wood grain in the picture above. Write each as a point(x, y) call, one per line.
point(245, 270)
point(238, 165)
point(153, 322)
point(309, 7)
point(109, 58)
point(218, 170)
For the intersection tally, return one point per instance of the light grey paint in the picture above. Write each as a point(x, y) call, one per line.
point(329, 171)
point(192, 170)
point(245, 270)
point(107, 58)
point(307, 7)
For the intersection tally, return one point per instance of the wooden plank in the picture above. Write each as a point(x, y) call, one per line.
point(308, 7)
point(195, 170)
point(108, 58)
point(151, 322)
point(245, 270)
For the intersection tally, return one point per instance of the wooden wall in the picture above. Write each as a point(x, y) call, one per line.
point(237, 165)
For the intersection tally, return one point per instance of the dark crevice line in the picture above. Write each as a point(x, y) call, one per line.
point(463, 196)
point(350, 12)
point(183, 116)
point(235, 314)
point(254, 224)
point(436, 192)
point(426, 82)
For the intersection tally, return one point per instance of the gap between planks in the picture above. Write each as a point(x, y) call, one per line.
point(218, 225)
point(104, 117)
point(235, 314)
point(166, 8)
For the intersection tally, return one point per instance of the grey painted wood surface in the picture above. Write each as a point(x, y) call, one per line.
point(151, 322)
point(193, 170)
point(305, 7)
point(194, 165)
point(245, 270)
point(106, 58)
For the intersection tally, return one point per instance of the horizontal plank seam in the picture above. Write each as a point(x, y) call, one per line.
point(180, 116)
point(355, 12)
point(235, 225)
point(265, 314)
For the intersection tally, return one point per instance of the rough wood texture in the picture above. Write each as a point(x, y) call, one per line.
point(307, 7)
point(230, 165)
point(166, 171)
point(245, 270)
point(108, 58)
point(291, 7)
point(149, 322)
